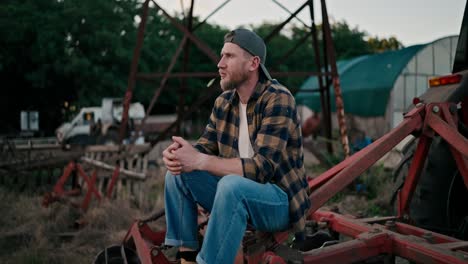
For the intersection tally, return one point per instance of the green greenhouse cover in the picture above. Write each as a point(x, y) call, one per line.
point(366, 82)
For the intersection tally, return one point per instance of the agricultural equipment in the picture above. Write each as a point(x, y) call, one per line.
point(104, 170)
point(431, 221)
point(379, 238)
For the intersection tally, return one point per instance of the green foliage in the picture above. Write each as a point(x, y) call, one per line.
point(377, 44)
point(349, 42)
point(56, 51)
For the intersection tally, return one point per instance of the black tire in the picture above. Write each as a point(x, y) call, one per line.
point(438, 203)
point(117, 255)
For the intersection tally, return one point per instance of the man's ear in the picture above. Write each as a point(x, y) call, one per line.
point(255, 64)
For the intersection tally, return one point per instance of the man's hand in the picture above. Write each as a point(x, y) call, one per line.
point(187, 156)
point(170, 160)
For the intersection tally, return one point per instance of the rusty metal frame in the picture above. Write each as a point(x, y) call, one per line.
point(189, 38)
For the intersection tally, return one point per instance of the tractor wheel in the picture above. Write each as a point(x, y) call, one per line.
point(117, 255)
point(438, 203)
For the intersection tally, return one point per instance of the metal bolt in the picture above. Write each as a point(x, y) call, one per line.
point(435, 109)
point(154, 252)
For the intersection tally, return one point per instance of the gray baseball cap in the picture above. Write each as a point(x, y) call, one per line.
point(250, 42)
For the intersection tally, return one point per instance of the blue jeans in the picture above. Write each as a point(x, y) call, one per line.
point(232, 200)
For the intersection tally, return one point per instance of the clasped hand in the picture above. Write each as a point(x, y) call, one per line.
point(181, 156)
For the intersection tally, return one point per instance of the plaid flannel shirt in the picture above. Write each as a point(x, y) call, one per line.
point(275, 134)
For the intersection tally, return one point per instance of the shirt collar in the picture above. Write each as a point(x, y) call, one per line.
point(259, 89)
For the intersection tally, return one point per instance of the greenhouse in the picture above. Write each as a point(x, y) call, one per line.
point(378, 88)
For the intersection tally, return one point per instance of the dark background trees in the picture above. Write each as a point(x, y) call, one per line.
point(55, 51)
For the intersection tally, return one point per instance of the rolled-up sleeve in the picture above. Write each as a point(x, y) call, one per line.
point(272, 138)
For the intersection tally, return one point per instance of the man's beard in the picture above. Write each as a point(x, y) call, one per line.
point(236, 81)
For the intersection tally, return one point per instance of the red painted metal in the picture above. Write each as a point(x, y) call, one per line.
point(58, 188)
point(59, 191)
point(90, 183)
point(406, 241)
point(352, 167)
point(90, 192)
point(271, 258)
point(411, 230)
point(452, 136)
point(115, 176)
point(412, 122)
point(366, 246)
point(416, 167)
point(143, 239)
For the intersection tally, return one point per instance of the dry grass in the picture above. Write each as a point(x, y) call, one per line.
point(371, 199)
point(30, 233)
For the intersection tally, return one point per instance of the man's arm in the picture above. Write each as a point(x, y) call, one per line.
point(190, 159)
point(208, 142)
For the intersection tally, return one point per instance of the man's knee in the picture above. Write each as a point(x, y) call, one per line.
point(230, 185)
point(180, 180)
point(170, 180)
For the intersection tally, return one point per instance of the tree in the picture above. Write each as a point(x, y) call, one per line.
point(56, 51)
point(377, 44)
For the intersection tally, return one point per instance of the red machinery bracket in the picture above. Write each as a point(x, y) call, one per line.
point(60, 193)
point(392, 238)
point(146, 243)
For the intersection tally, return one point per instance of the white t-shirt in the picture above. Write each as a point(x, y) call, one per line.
point(245, 146)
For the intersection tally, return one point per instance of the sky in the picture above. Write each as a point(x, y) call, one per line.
point(410, 21)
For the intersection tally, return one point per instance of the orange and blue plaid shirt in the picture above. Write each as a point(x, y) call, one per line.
point(275, 134)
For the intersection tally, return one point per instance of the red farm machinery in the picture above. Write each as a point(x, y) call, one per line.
point(437, 158)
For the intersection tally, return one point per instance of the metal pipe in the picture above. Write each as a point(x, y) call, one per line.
point(133, 71)
point(287, 10)
point(324, 100)
point(336, 83)
point(280, 26)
